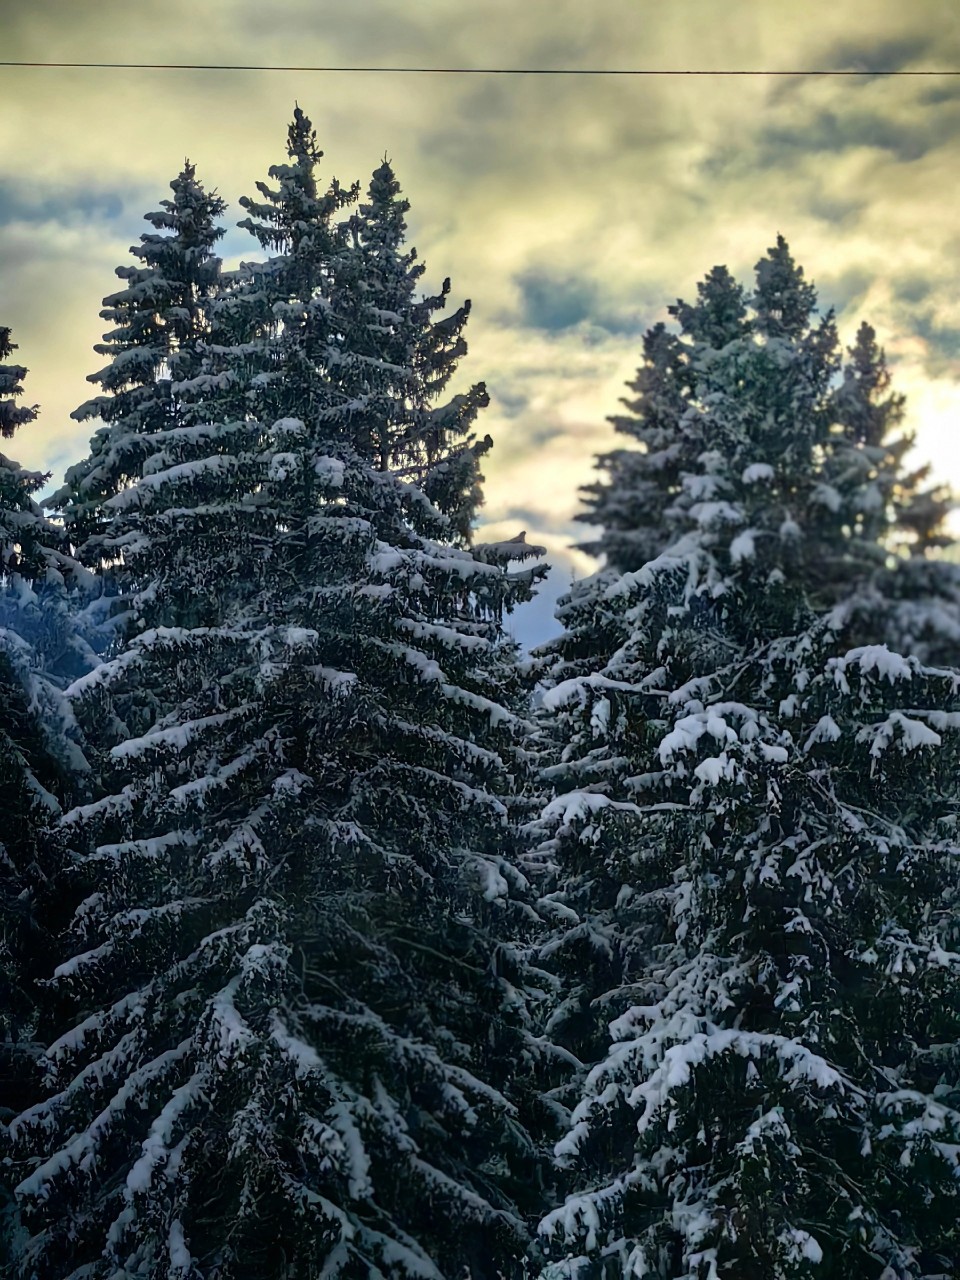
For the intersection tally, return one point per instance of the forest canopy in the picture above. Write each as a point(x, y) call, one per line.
point(340, 936)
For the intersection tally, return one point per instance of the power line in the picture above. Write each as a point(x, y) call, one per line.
point(459, 71)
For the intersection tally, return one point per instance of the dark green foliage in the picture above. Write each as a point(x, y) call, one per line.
point(304, 1040)
point(759, 846)
point(41, 767)
point(828, 500)
point(751, 835)
point(161, 327)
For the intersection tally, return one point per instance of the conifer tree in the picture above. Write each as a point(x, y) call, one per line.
point(40, 649)
point(274, 326)
point(161, 325)
point(633, 505)
point(830, 501)
point(40, 764)
point(758, 420)
point(906, 592)
point(780, 468)
point(151, 389)
point(734, 800)
point(308, 1046)
point(399, 360)
point(772, 878)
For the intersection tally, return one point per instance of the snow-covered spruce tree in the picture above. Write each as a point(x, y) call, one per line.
point(40, 764)
point(40, 648)
point(785, 469)
point(633, 504)
point(398, 360)
point(306, 1046)
point(748, 882)
point(274, 334)
point(156, 349)
point(829, 500)
point(749, 393)
point(642, 505)
point(759, 839)
point(911, 597)
point(760, 418)
point(161, 324)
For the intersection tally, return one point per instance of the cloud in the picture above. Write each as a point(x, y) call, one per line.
point(907, 129)
point(572, 211)
point(20, 201)
point(844, 290)
point(894, 53)
point(554, 302)
point(551, 302)
point(942, 339)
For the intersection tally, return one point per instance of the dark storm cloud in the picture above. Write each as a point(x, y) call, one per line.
point(511, 401)
point(940, 92)
point(539, 435)
point(907, 50)
point(911, 288)
point(840, 130)
point(555, 303)
point(785, 144)
point(836, 210)
point(944, 343)
point(917, 309)
point(941, 338)
point(472, 142)
point(523, 518)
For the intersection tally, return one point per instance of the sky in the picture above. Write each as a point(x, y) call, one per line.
point(571, 210)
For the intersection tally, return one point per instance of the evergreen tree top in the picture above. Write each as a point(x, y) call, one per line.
point(302, 140)
point(750, 437)
point(293, 216)
point(784, 300)
point(720, 314)
point(870, 409)
point(32, 548)
point(383, 217)
point(12, 415)
point(158, 312)
point(187, 231)
point(189, 215)
point(161, 326)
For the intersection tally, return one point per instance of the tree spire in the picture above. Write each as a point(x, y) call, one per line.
point(161, 324)
point(784, 300)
